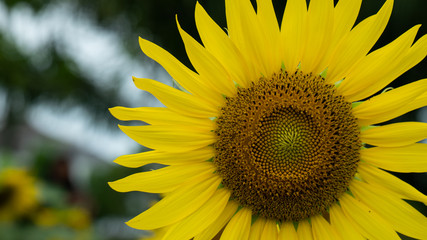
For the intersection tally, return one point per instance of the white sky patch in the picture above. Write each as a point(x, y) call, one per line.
point(3, 107)
point(73, 127)
point(3, 17)
point(422, 117)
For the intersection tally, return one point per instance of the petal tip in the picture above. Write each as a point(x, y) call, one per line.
point(113, 111)
point(113, 186)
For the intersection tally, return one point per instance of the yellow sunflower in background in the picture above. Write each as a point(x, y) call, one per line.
point(18, 193)
point(74, 217)
point(273, 136)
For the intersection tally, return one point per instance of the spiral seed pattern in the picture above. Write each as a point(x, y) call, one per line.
point(288, 146)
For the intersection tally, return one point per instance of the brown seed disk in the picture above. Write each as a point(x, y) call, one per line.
point(287, 147)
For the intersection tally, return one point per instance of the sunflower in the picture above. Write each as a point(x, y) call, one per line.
point(18, 194)
point(276, 135)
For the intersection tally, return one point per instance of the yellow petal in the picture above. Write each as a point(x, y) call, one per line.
point(263, 229)
point(232, 12)
point(270, 231)
point(416, 53)
point(160, 116)
point(411, 158)
point(176, 100)
point(162, 180)
point(304, 231)
point(257, 228)
point(234, 28)
point(169, 138)
point(293, 21)
point(345, 14)
point(390, 104)
point(271, 35)
point(317, 35)
point(250, 36)
point(358, 43)
point(378, 69)
point(420, 101)
point(370, 224)
point(267, 17)
point(322, 230)
point(178, 71)
point(209, 68)
point(287, 231)
point(254, 38)
point(222, 48)
point(402, 216)
point(380, 178)
point(166, 158)
point(201, 219)
point(395, 135)
point(157, 234)
point(342, 225)
point(177, 205)
point(239, 226)
point(210, 232)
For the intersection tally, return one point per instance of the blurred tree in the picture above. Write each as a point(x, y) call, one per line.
point(26, 84)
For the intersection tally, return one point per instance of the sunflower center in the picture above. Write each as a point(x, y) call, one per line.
point(287, 147)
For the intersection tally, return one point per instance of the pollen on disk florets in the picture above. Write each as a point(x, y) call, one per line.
point(287, 146)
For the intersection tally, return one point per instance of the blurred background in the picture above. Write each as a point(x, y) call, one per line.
point(63, 63)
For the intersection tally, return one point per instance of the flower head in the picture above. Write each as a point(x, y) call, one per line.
point(18, 193)
point(274, 137)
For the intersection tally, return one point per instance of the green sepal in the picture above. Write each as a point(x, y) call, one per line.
point(323, 74)
point(338, 83)
point(176, 85)
point(355, 104)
